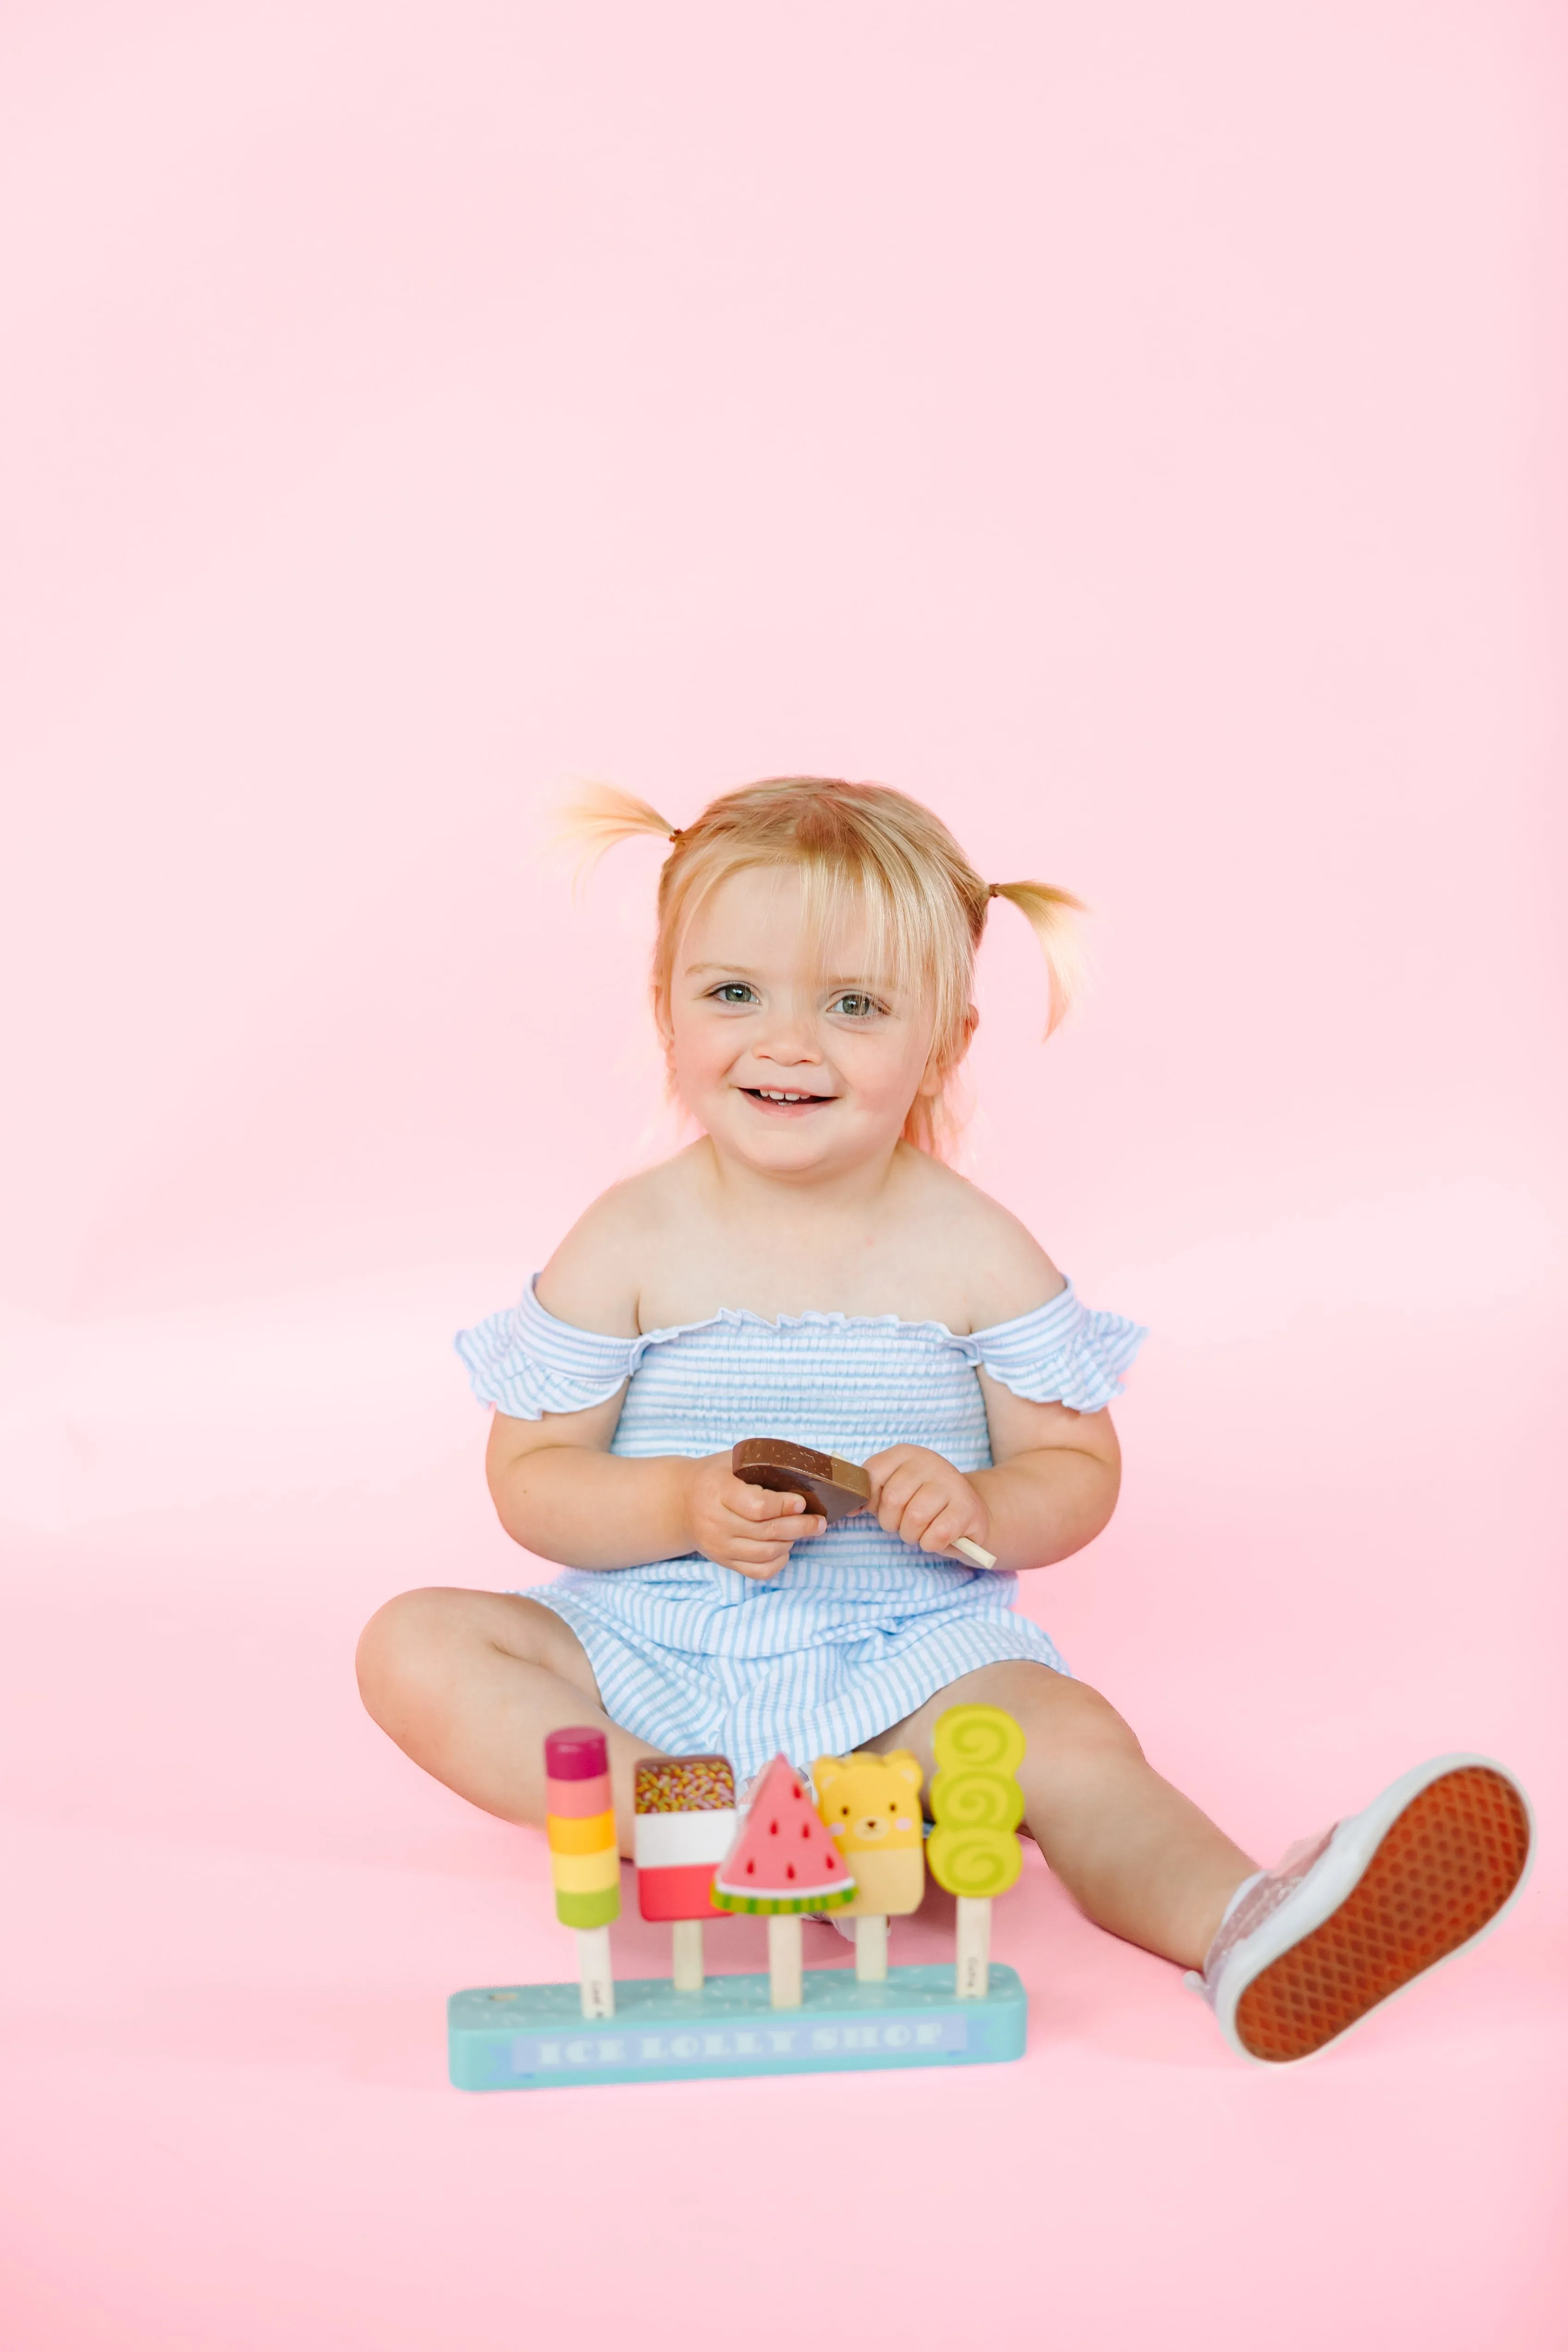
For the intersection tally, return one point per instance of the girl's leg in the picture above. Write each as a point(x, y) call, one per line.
point(468, 1684)
point(1134, 1853)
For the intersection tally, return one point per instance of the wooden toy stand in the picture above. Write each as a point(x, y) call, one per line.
point(535, 2037)
point(697, 1857)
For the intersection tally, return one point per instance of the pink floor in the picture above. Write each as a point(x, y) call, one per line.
point(1137, 431)
point(225, 2118)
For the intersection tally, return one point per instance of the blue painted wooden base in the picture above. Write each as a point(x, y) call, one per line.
point(529, 2037)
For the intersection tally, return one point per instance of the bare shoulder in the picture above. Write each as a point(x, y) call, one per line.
point(595, 1278)
point(1002, 1270)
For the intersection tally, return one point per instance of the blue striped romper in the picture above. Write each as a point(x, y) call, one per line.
point(859, 1628)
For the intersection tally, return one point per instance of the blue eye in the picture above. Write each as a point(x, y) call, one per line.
point(734, 992)
point(854, 1006)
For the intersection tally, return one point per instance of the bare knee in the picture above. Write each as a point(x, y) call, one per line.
point(399, 1648)
point(1085, 1730)
point(1067, 1725)
point(420, 1652)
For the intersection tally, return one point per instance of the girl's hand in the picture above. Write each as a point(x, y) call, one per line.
point(917, 1495)
point(741, 1526)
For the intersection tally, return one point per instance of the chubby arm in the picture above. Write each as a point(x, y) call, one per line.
point(1056, 1473)
point(556, 1486)
point(1055, 1481)
point(558, 1490)
point(1052, 1489)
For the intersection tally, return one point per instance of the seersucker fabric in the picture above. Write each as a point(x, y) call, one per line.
point(859, 1628)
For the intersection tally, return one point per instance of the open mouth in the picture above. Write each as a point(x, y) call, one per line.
point(786, 1100)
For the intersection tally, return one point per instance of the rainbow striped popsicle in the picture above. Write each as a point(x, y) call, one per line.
point(585, 1864)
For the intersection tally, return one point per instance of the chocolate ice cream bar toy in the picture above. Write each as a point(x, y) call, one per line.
point(826, 1482)
point(685, 1827)
point(973, 1850)
point(783, 1863)
point(585, 1865)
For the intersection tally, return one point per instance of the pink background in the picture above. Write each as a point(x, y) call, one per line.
point(1135, 429)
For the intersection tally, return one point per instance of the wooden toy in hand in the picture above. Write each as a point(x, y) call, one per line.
point(826, 1483)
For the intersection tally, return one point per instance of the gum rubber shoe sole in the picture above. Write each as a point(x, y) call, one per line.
point(1441, 1872)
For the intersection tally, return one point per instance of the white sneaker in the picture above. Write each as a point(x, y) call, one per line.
point(834, 1919)
point(1307, 1950)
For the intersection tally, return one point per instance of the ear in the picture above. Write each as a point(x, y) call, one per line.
point(907, 1766)
point(824, 1772)
point(933, 1080)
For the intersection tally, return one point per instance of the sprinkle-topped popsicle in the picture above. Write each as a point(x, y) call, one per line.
point(825, 1482)
point(685, 1827)
point(585, 1865)
point(783, 1863)
point(973, 1850)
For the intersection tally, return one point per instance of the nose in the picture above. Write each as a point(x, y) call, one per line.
point(789, 1037)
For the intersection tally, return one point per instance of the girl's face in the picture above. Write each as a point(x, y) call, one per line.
point(796, 1066)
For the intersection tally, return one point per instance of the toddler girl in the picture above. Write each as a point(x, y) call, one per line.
point(810, 1269)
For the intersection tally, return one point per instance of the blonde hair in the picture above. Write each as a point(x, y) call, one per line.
point(926, 905)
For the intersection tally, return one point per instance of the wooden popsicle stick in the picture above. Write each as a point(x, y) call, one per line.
point(871, 1947)
point(975, 1554)
point(594, 1972)
point(686, 1937)
point(972, 1972)
point(784, 1960)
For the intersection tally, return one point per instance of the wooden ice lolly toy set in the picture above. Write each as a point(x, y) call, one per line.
point(858, 1850)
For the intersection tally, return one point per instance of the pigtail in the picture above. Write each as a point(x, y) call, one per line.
point(1049, 914)
point(597, 818)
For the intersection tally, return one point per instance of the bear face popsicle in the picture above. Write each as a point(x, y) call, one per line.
point(870, 1806)
point(685, 1821)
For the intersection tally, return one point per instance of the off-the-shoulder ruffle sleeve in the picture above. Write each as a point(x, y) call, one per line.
point(526, 1363)
point(1061, 1353)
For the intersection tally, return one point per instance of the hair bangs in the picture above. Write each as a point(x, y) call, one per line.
point(866, 855)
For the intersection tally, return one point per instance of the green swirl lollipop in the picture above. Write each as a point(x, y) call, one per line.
point(983, 1737)
point(973, 1851)
point(971, 1799)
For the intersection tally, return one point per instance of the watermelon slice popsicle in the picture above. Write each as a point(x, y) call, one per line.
point(685, 1827)
point(783, 1863)
point(585, 1865)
